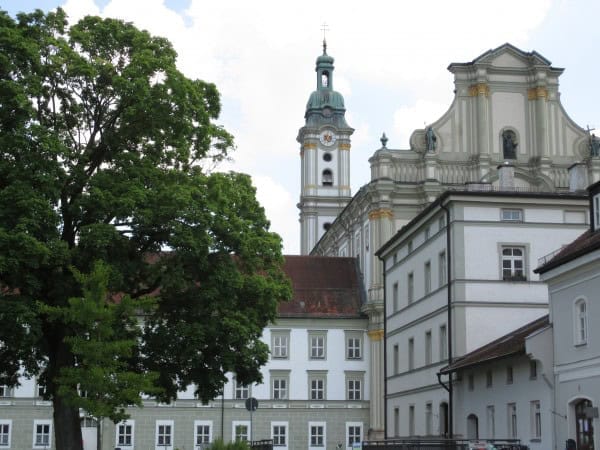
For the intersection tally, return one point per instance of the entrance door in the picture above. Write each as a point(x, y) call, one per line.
point(443, 419)
point(584, 425)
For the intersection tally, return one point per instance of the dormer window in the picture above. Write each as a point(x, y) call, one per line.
point(327, 178)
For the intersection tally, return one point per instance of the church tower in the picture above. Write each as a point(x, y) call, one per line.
point(325, 157)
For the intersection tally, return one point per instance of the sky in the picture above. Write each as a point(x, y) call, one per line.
point(391, 60)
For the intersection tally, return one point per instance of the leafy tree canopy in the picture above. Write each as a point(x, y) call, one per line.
point(125, 268)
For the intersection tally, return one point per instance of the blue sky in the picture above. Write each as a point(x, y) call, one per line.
point(390, 65)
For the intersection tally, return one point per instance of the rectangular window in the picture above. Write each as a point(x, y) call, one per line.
point(443, 343)
point(353, 434)
point(316, 432)
point(428, 419)
point(428, 347)
point(279, 434)
point(410, 246)
point(513, 264)
point(395, 300)
point(410, 286)
point(427, 274)
point(532, 370)
point(280, 386)
point(509, 375)
point(396, 421)
point(512, 215)
point(317, 344)
point(411, 420)
point(202, 432)
point(164, 434)
point(396, 360)
point(280, 344)
point(5, 433)
point(40, 390)
point(471, 382)
point(443, 268)
point(491, 421)
point(512, 420)
point(489, 379)
point(536, 420)
point(5, 391)
point(353, 345)
point(427, 232)
point(42, 431)
point(241, 431)
point(241, 391)
point(354, 383)
point(411, 354)
point(317, 382)
point(125, 434)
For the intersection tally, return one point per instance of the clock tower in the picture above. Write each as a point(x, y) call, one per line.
point(325, 157)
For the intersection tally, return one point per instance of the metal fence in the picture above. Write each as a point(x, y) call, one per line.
point(444, 444)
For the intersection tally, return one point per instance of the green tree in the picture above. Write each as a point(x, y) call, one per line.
point(114, 243)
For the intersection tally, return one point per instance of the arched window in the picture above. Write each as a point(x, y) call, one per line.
point(327, 178)
point(509, 144)
point(325, 79)
point(584, 428)
point(472, 427)
point(580, 322)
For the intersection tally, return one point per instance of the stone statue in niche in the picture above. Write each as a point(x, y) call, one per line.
point(509, 144)
point(594, 145)
point(430, 139)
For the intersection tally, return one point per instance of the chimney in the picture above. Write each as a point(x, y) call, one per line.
point(578, 180)
point(506, 177)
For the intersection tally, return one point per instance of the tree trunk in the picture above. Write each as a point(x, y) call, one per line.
point(67, 426)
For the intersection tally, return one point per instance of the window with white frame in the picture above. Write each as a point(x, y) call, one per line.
point(280, 384)
point(279, 434)
point(443, 343)
point(428, 345)
point(491, 421)
point(411, 420)
point(396, 421)
point(125, 434)
point(316, 385)
point(280, 340)
point(513, 263)
point(5, 391)
point(395, 299)
point(241, 431)
point(353, 433)
point(411, 353)
point(396, 361)
point(42, 432)
point(443, 268)
point(428, 419)
point(512, 420)
point(353, 345)
point(317, 345)
point(240, 391)
point(511, 215)
point(354, 384)
point(410, 287)
point(164, 434)
point(40, 389)
point(202, 432)
point(5, 433)
point(316, 433)
point(427, 277)
point(581, 321)
point(536, 420)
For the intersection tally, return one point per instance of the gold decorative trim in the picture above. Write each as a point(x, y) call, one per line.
point(309, 146)
point(344, 146)
point(537, 92)
point(381, 214)
point(479, 89)
point(375, 335)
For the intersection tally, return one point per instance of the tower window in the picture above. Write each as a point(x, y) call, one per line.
point(327, 157)
point(327, 178)
point(325, 79)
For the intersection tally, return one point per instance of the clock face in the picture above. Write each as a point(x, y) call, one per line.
point(327, 138)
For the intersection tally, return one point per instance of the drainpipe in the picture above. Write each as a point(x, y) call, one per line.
point(449, 306)
point(385, 413)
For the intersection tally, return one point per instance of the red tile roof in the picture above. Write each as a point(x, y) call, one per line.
point(325, 287)
point(508, 345)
